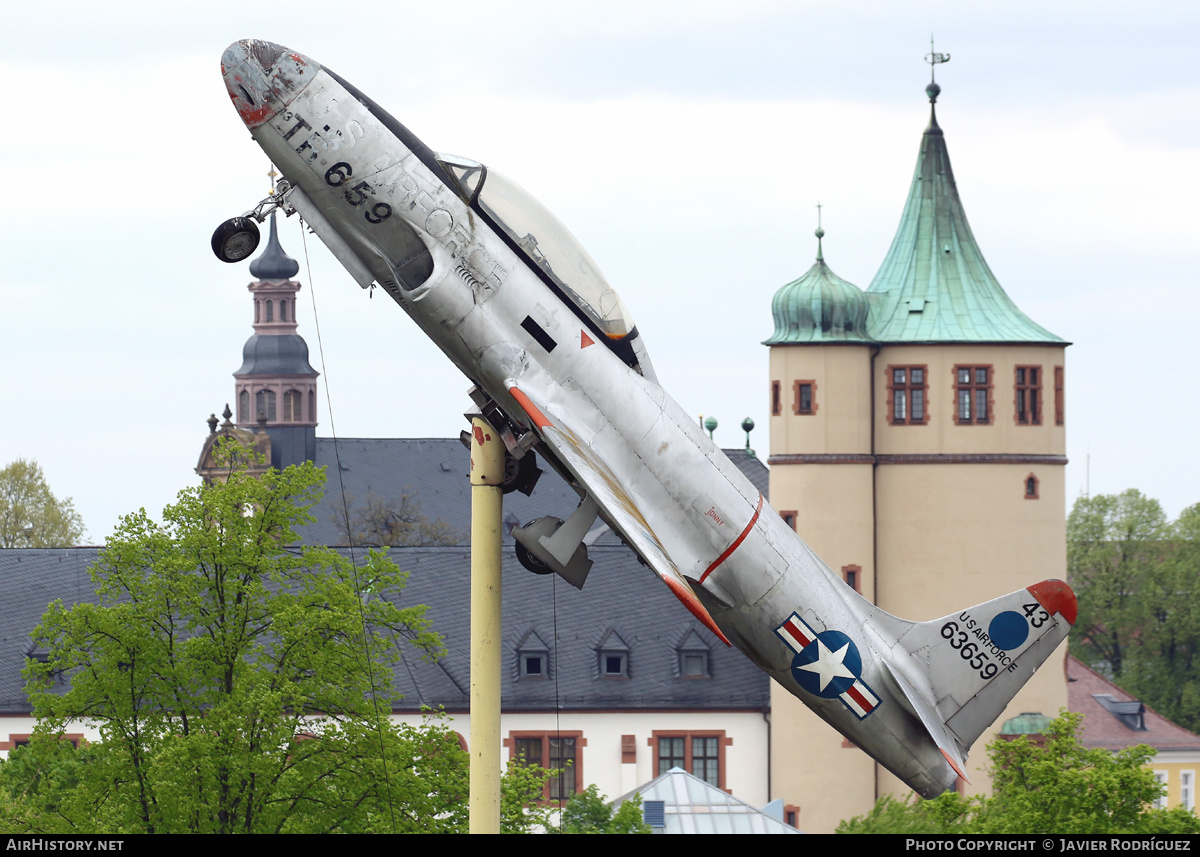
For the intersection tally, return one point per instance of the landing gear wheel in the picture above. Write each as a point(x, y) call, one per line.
point(531, 562)
point(520, 474)
point(235, 239)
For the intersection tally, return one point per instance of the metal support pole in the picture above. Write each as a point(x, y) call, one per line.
point(487, 476)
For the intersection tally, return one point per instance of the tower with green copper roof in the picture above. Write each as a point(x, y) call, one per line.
point(934, 284)
point(917, 444)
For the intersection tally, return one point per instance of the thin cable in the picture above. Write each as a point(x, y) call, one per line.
point(557, 706)
point(312, 291)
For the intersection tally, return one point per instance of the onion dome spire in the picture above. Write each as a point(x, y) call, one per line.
point(819, 307)
point(274, 264)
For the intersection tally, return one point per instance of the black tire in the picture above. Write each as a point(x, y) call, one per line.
point(530, 562)
point(520, 474)
point(235, 239)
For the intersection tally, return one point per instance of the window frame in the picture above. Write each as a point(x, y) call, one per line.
point(798, 408)
point(776, 399)
point(1059, 402)
point(689, 736)
point(573, 772)
point(1027, 404)
point(974, 388)
point(265, 405)
point(293, 406)
point(907, 387)
point(622, 673)
point(852, 577)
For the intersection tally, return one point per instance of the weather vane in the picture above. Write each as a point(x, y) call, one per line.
point(934, 59)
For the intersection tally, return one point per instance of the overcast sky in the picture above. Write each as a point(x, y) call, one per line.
point(686, 144)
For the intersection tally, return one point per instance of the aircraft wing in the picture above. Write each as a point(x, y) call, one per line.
point(603, 486)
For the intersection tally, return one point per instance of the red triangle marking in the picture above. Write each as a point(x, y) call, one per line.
point(585, 340)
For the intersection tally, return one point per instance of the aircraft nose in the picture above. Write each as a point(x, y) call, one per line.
point(263, 77)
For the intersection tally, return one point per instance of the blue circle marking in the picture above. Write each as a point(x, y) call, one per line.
point(831, 653)
point(1008, 630)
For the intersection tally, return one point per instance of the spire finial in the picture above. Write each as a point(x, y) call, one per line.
point(820, 233)
point(934, 59)
point(272, 175)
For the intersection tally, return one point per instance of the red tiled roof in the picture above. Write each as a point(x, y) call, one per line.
point(1103, 729)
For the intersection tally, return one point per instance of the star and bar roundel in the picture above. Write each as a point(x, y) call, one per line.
point(828, 665)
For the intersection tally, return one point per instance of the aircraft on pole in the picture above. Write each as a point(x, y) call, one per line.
point(561, 371)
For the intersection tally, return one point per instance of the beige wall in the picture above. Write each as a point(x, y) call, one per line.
point(841, 423)
point(946, 532)
point(940, 435)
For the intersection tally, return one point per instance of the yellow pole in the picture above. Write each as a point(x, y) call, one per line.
point(487, 475)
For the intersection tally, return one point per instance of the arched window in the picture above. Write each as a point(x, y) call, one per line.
point(293, 403)
point(283, 310)
point(270, 312)
point(244, 406)
point(264, 403)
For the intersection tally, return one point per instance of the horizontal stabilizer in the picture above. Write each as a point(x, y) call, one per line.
point(974, 662)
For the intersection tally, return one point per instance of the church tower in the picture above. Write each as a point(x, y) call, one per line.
point(276, 388)
point(921, 454)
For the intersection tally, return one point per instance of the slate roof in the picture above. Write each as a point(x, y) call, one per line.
point(622, 599)
point(1109, 715)
point(34, 578)
point(620, 596)
point(434, 471)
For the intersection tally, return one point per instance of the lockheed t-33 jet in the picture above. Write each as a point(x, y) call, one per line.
point(561, 371)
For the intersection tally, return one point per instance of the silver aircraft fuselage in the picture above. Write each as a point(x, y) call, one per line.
point(488, 275)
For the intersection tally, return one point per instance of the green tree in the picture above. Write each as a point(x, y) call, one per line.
point(1137, 578)
point(1115, 545)
point(587, 812)
point(1057, 787)
point(30, 515)
point(239, 683)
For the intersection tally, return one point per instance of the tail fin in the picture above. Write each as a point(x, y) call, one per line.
point(975, 661)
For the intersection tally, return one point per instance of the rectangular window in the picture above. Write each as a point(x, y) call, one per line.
point(557, 751)
point(972, 395)
point(804, 404)
point(1163, 779)
point(702, 755)
point(776, 399)
point(1029, 395)
point(789, 518)
point(852, 574)
point(1058, 395)
point(1187, 789)
point(907, 389)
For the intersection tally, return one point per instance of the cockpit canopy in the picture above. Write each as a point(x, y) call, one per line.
point(541, 237)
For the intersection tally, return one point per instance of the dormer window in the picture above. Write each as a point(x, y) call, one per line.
point(613, 665)
point(613, 657)
point(533, 658)
point(533, 666)
point(693, 657)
